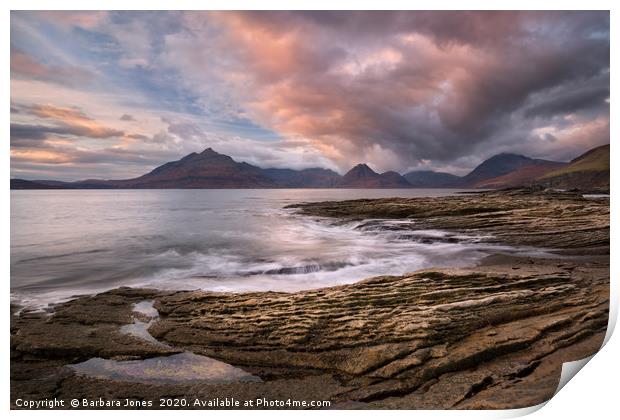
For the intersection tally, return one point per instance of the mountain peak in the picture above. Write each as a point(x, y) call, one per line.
point(508, 155)
point(209, 151)
point(500, 165)
point(362, 169)
point(362, 176)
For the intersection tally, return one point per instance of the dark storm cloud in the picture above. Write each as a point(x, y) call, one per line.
point(29, 132)
point(432, 89)
point(572, 97)
point(423, 85)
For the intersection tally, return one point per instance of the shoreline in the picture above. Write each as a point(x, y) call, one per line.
point(476, 337)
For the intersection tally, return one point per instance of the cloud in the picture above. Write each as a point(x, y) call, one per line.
point(69, 121)
point(581, 95)
point(399, 90)
point(161, 138)
point(73, 19)
point(67, 154)
point(423, 85)
point(189, 136)
point(26, 67)
point(40, 132)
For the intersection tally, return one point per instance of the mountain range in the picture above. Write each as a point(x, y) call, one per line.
point(210, 169)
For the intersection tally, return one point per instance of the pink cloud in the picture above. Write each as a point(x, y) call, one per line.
point(426, 85)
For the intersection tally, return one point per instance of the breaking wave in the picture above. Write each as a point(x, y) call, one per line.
point(214, 240)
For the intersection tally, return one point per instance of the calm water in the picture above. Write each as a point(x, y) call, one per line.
point(184, 367)
point(65, 243)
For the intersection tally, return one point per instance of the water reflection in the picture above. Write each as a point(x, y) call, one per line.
point(183, 368)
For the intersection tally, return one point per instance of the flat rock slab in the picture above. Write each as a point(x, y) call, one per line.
point(490, 336)
point(549, 219)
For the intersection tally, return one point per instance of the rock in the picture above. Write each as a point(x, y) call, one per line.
point(487, 336)
point(527, 217)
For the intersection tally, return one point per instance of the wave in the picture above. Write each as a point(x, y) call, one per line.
point(58, 256)
point(304, 269)
point(246, 250)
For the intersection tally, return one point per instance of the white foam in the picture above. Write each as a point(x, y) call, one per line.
point(235, 249)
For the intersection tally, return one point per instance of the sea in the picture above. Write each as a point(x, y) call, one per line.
point(66, 243)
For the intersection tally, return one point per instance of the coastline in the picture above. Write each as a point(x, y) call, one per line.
point(477, 337)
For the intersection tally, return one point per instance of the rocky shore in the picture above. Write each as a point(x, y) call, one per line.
point(490, 336)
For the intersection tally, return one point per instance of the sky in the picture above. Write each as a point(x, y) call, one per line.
point(111, 95)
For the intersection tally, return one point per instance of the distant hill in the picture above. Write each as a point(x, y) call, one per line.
point(210, 169)
point(525, 175)
point(22, 184)
point(431, 179)
point(503, 164)
point(361, 176)
point(305, 178)
point(588, 171)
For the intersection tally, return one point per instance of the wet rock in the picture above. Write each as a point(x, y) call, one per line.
point(490, 336)
point(550, 219)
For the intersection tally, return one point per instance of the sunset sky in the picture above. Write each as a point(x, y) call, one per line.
point(113, 94)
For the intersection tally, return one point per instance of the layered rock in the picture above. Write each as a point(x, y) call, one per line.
point(532, 217)
point(490, 336)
